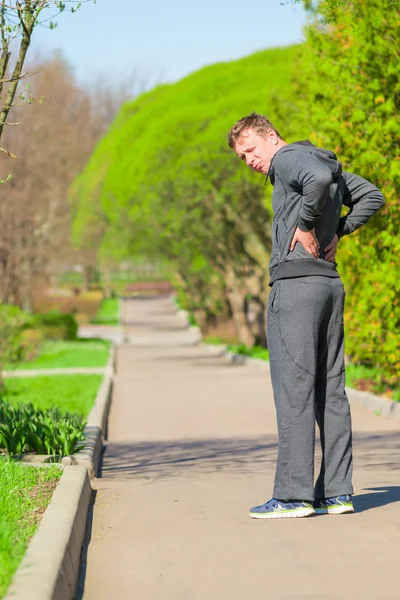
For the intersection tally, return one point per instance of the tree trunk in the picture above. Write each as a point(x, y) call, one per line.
point(28, 22)
point(87, 277)
point(256, 317)
point(107, 280)
point(236, 294)
point(256, 306)
point(242, 330)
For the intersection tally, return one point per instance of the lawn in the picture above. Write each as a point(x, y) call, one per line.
point(71, 393)
point(63, 354)
point(255, 352)
point(108, 313)
point(371, 379)
point(25, 492)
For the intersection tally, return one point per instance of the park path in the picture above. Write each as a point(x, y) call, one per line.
point(192, 445)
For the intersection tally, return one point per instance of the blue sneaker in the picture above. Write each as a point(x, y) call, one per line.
point(334, 506)
point(276, 509)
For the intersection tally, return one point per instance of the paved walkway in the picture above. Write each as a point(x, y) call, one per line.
point(192, 445)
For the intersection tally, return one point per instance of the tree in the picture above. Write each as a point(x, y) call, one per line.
point(330, 11)
point(18, 18)
point(164, 182)
point(348, 77)
point(53, 144)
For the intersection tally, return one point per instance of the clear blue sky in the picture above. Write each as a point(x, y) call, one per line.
point(164, 40)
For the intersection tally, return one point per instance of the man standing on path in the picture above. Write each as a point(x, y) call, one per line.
point(305, 314)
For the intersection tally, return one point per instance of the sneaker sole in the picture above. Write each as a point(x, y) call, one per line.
point(304, 512)
point(339, 509)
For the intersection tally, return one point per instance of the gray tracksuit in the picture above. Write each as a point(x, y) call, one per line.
point(305, 318)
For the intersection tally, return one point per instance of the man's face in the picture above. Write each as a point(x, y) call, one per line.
point(257, 151)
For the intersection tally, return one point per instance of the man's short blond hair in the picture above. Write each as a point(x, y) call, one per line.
point(258, 123)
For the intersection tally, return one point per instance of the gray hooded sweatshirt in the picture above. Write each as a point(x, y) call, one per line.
point(309, 191)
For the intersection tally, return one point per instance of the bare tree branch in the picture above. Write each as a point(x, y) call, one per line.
point(7, 152)
point(17, 20)
point(18, 79)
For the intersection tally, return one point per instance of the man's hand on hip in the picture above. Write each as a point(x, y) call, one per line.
point(308, 240)
point(331, 249)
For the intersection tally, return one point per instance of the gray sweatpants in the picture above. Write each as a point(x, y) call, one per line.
point(306, 354)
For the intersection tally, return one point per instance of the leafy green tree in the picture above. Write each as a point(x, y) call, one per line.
point(166, 183)
point(349, 78)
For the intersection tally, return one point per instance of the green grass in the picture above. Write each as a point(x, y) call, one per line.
point(211, 339)
point(66, 354)
point(255, 352)
point(63, 354)
point(71, 278)
point(371, 379)
point(192, 320)
point(25, 492)
point(108, 313)
point(71, 393)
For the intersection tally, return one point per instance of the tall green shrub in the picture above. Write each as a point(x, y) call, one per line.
point(349, 79)
point(187, 198)
point(13, 322)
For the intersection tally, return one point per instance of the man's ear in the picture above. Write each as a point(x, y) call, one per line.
point(272, 136)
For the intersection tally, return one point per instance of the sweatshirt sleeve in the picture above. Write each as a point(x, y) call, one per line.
point(363, 199)
point(308, 175)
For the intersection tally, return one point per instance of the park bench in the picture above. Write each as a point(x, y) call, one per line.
point(154, 288)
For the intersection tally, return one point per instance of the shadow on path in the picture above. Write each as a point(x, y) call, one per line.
point(80, 586)
point(164, 459)
point(381, 496)
point(193, 457)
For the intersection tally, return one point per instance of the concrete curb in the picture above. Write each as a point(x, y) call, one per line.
point(96, 428)
point(50, 568)
point(183, 314)
point(382, 407)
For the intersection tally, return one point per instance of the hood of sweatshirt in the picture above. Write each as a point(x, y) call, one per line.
point(327, 157)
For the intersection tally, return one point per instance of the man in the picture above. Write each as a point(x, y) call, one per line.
point(305, 314)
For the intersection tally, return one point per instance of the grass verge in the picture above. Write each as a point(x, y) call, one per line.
point(371, 379)
point(255, 352)
point(108, 313)
point(25, 493)
point(71, 393)
point(64, 354)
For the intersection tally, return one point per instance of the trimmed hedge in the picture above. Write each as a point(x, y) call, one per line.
point(57, 325)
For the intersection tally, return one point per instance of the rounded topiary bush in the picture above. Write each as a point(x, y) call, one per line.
point(57, 325)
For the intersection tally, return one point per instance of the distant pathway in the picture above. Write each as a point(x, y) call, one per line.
point(192, 445)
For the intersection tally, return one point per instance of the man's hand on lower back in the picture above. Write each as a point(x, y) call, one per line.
point(331, 249)
point(308, 240)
